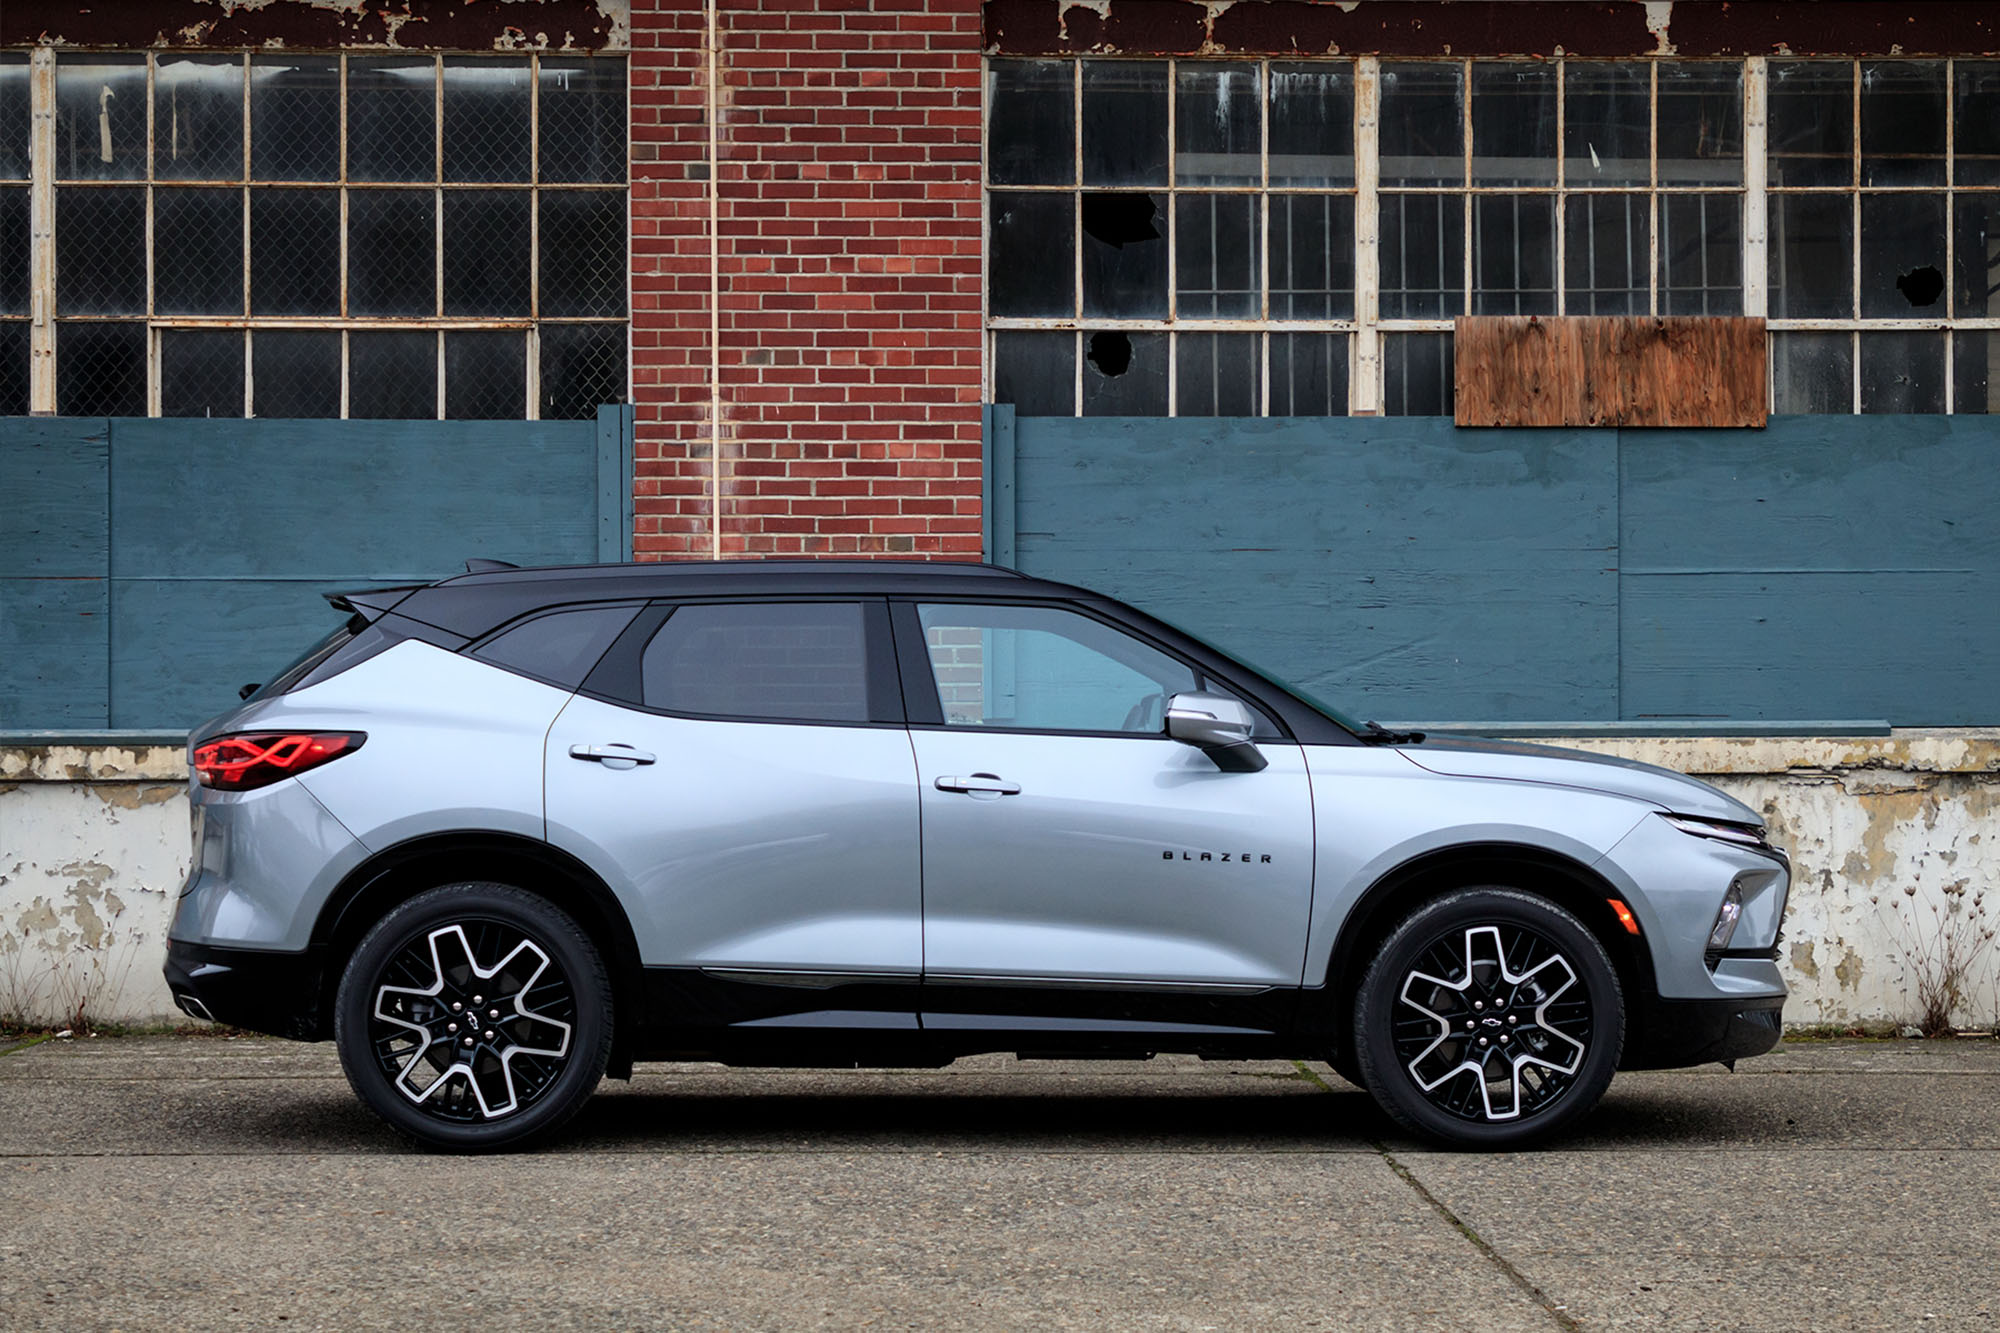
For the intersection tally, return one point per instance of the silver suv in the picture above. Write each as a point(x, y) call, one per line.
point(500, 835)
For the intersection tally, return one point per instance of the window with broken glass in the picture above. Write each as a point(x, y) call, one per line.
point(1884, 199)
point(303, 235)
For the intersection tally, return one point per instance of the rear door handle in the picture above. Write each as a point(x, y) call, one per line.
point(613, 755)
point(985, 784)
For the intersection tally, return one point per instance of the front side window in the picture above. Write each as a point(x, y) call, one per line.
point(766, 661)
point(1046, 669)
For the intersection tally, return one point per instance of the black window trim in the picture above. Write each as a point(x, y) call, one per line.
point(618, 680)
point(926, 710)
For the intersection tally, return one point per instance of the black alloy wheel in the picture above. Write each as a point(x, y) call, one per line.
point(474, 1016)
point(1489, 1018)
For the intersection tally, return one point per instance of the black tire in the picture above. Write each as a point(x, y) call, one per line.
point(1490, 1018)
point(534, 1003)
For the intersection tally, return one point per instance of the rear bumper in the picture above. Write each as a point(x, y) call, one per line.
point(265, 990)
point(1672, 1034)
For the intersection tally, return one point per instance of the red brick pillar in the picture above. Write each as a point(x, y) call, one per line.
point(850, 271)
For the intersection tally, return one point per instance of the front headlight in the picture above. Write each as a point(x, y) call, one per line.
point(1745, 835)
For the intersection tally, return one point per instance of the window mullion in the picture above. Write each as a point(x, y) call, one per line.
point(42, 230)
point(1364, 378)
point(1756, 210)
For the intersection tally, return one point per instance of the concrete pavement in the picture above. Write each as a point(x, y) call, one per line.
point(201, 1181)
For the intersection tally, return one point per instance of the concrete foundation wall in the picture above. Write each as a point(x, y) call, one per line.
point(1895, 841)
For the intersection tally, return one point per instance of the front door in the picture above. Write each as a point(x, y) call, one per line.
point(1071, 848)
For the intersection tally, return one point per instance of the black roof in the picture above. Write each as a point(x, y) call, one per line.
point(472, 604)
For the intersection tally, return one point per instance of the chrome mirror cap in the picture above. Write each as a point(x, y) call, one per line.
point(1218, 726)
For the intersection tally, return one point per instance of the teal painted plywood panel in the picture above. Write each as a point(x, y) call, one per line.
point(1401, 568)
point(1916, 647)
point(54, 554)
point(248, 499)
point(53, 639)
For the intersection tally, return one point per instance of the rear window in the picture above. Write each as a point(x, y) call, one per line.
point(774, 661)
point(301, 666)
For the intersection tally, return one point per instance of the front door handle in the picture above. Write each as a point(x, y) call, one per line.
point(613, 755)
point(980, 784)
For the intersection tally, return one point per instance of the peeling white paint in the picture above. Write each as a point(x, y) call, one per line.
point(1659, 22)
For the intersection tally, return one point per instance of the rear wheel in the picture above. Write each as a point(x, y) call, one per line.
point(474, 1016)
point(1489, 1018)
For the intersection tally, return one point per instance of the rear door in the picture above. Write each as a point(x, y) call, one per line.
point(740, 773)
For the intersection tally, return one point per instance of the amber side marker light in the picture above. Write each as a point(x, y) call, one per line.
point(1624, 915)
point(255, 759)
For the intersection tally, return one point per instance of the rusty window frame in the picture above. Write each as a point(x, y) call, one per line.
point(45, 315)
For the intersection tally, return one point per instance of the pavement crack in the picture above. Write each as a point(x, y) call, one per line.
point(1457, 1223)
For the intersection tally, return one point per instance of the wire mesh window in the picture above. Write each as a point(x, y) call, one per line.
point(317, 235)
point(1885, 235)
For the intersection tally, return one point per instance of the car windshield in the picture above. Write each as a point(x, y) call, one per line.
point(1305, 696)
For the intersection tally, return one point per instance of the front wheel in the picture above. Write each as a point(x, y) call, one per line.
point(474, 1016)
point(1489, 1018)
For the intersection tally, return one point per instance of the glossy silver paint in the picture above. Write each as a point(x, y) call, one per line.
point(1121, 858)
point(751, 845)
point(264, 863)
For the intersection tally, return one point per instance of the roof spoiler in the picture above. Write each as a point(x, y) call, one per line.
point(371, 604)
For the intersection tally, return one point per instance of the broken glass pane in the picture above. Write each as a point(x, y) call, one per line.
point(100, 369)
point(198, 118)
point(1216, 375)
point(14, 109)
point(486, 243)
point(391, 253)
point(1701, 122)
point(1607, 246)
point(1812, 373)
point(1513, 124)
point(1312, 256)
point(297, 372)
point(1974, 354)
point(1513, 254)
point(583, 368)
point(1811, 123)
point(1422, 132)
point(582, 119)
point(1124, 122)
point(1216, 256)
point(485, 375)
point(294, 252)
point(101, 250)
point(1030, 238)
point(198, 252)
point(1902, 124)
point(201, 372)
point(392, 374)
point(1812, 256)
point(14, 207)
point(1124, 374)
point(1216, 126)
point(1031, 123)
point(1124, 257)
point(100, 117)
point(1036, 372)
point(1422, 256)
point(1308, 375)
point(294, 118)
point(1701, 254)
point(1902, 373)
point(1976, 147)
point(486, 134)
point(1607, 115)
point(1975, 255)
point(391, 118)
point(1417, 375)
point(14, 341)
point(1312, 124)
point(1902, 256)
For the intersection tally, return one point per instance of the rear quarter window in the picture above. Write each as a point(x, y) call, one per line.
point(560, 647)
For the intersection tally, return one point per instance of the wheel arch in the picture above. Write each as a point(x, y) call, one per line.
point(396, 874)
point(1563, 880)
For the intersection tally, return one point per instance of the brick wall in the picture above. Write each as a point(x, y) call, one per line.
point(850, 265)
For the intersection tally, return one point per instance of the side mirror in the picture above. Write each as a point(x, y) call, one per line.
point(1219, 727)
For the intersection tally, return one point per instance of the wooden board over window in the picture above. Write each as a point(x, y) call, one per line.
point(1619, 371)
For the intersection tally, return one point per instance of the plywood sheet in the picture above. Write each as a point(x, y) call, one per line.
point(1609, 371)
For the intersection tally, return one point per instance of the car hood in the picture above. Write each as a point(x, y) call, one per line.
point(1512, 761)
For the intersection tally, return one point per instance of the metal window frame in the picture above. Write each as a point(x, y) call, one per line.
point(44, 184)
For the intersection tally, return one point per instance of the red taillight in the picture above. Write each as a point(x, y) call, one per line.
point(259, 758)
